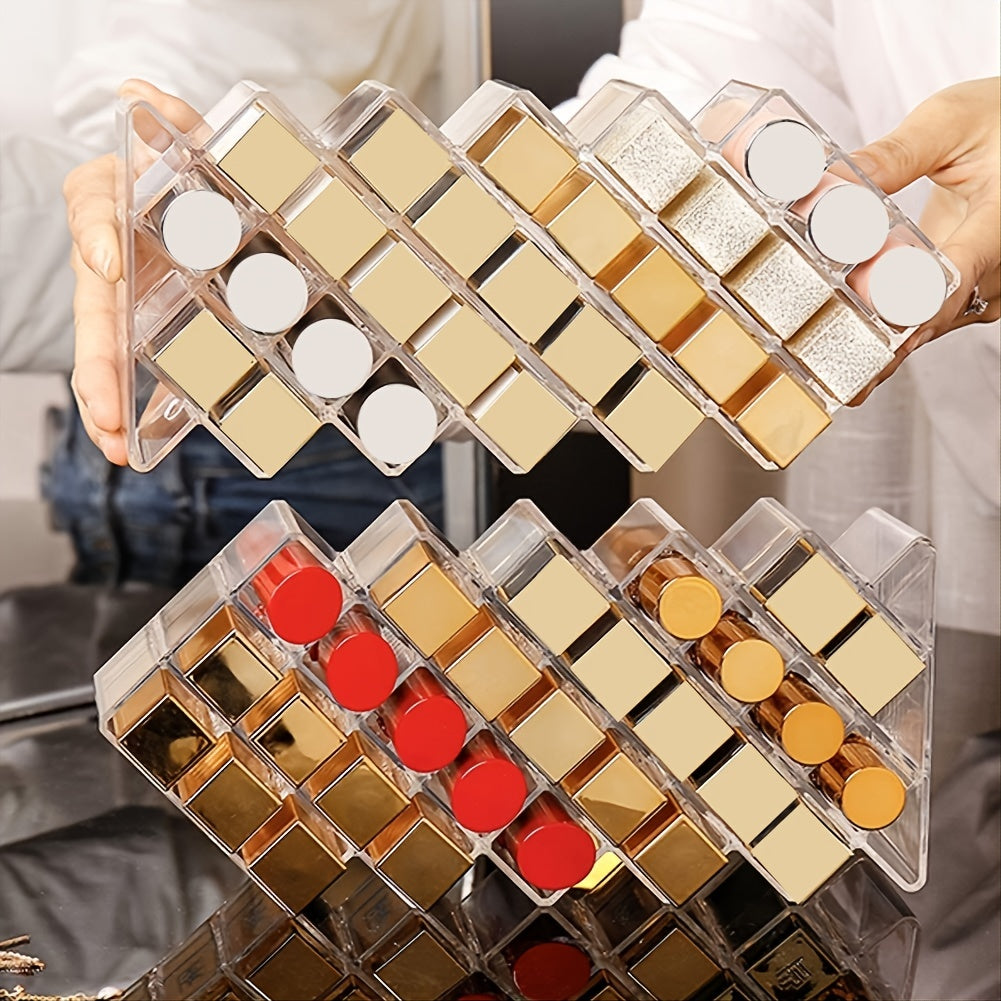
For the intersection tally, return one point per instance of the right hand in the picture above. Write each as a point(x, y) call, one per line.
point(97, 261)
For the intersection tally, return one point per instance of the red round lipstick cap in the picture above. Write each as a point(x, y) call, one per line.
point(301, 598)
point(551, 851)
point(551, 971)
point(360, 668)
point(488, 791)
point(426, 726)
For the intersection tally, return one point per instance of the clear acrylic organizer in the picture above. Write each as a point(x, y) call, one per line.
point(505, 277)
point(317, 713)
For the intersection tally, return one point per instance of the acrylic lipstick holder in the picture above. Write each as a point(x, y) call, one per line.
point(157, 294)
point(858, 922)
point(893, 564)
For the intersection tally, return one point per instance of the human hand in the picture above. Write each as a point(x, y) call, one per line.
point(97, 261)
point(953, 138)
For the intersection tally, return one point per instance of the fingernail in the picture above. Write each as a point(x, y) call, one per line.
point(102, 257)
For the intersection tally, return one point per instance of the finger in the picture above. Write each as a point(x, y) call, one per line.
point(89, 191)
point(989, 315)
point(923, 141)
point(179, 113)
point(95, 370)
point(112, 444)
point(973, 249)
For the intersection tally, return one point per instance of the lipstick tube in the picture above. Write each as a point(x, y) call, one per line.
point(673, 592)
point(359, 665)
point(869, 794)
point(300, 597)
point(796, 717)
point(486, 789)
point(550, 849)
point(426, 726)
point(747, 667)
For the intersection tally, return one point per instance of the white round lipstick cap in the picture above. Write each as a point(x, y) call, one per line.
point(906, 286)
point(849, 224)
point(785, 160)
point(201, 229)
point(397, 423)
point(267, 292)
point(331, 358)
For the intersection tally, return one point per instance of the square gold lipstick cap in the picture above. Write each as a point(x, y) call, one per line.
point(206, 359)
point(294, 855)
point(268, 162)
point(619, 668)
point(524, 288)
point(486, 665)
point(674, 852)
point(229, 661)
point(229, 790)
point(680, 727)
point(590, 354)
point(291, 963)
point(163, 727)
point(422, 599)
point(670, 965)
point(613, 791)
point(651, 287)
point(415, 963)
point(397, 288)
point(553, 598)
point(291, 725)
point(397, 157)
point(268, 423)
point(335, 227)
point(801, 852)
point(816, 603)
point(523, 417)
point(463, 223)
point(777, 414)
point(356, 790)
point(550, 728)
point(522, 157)
point(421, 852)
point(587, 222)
point(462, 351)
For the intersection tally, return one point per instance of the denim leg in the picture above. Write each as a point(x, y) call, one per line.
point(124, 525)
point(336, 489)
point(165, 525)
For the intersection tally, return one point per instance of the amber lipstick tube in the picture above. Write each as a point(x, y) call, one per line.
point(673, 592)
point(796, 717)
point(747, 667)
point(869, 794)
point(301, 598)
point(359, 665)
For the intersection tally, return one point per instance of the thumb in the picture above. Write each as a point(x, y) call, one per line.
point(171, 109)
point(922, 142)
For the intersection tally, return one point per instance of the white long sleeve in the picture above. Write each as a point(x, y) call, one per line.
point(689, 50)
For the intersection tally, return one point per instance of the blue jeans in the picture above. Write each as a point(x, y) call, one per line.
point(163, 526)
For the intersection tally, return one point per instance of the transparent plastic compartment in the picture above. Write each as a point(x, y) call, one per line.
point(448, 308)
